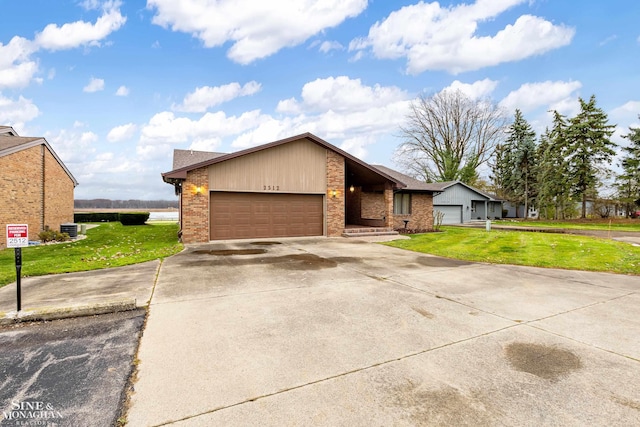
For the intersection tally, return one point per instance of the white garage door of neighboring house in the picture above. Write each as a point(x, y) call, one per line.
point(452, 214)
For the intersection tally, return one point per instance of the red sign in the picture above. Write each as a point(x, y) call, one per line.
point(17, 235)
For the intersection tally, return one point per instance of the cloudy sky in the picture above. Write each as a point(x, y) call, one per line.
point(115, 86)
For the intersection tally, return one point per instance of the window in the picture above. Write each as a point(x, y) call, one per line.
point(402, 204)
point(492, 207)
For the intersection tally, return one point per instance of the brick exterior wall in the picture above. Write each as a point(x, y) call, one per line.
point(335, 205)
point(388, 202)
point(35, 190)
point(195, 207)
point(58, 193)
point(421, 213)
point(372, 206)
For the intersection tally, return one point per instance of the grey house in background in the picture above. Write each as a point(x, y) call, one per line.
point(462, 203)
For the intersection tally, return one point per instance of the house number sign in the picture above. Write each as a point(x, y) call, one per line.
point(271, 187)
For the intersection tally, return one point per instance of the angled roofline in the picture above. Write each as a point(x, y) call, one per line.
point(410, 182)
point(475, 190)
point(8, 129)
point(181, 173)
point(34, 143)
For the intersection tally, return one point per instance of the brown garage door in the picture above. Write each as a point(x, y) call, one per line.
point(257, 215)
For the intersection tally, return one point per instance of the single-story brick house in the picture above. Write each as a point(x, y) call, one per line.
point(462, 203)
point(299, 186)
point(36, 186)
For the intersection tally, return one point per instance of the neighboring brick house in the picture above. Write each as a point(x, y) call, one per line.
point(36, 188)
point(299, 186)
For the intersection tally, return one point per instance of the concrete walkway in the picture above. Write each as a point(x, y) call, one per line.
point(344, 332)
point(96, 290)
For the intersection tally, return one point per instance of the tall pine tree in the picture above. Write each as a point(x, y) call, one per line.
point(628, 181)
point(515, 163)
point(589, 147)
point(553, 170)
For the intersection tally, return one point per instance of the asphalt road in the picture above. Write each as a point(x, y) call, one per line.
point(68, 372)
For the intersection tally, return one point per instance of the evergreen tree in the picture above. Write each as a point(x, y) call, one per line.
point(515, 163)
point(628, 181)
point(553, 170)
point(589, 148)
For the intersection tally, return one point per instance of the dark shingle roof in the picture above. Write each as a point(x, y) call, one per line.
point(411, 183)
point(444, 185)
point(182, 158)
point(9, 142)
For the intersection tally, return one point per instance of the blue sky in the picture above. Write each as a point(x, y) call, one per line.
point(115, 86)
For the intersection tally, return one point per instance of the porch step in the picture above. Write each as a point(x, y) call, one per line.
point(369, 231)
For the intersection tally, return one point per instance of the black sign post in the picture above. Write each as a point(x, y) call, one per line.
point(18, 275)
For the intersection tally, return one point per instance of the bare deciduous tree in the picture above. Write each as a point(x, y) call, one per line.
point(447, 136)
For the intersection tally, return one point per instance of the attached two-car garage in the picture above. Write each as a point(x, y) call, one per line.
point(245, 215)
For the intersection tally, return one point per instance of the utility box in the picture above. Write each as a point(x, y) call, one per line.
point(71, 229)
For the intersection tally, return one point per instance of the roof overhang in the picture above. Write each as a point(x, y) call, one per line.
point(181, 173)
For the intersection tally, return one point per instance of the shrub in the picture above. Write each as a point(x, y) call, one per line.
point(133, 218)
point(95, 217)
point(414, 230)
point(52, 236)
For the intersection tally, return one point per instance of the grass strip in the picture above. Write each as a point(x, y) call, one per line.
point(604, 225)
point(526, 248)
point(108, 245)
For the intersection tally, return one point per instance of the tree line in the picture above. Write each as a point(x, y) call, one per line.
point(448, 136)
point(124, 204)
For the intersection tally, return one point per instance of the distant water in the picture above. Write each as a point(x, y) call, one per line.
point(163, 216)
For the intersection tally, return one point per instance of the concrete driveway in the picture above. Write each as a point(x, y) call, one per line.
point(343, 332)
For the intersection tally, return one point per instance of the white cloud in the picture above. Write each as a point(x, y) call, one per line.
point(476, 90)
point(94, 85)
point(432, 37)
point(205, 144)
point(342, 94)
point(328, 46)
point(122, 91)
point(165, 131)
point(629, 110)
point(72, 146)
point(255, 29)
point(81, 33)
point(356, 145)
point(17, 112)
point(120, 133)
point(554, 95)
point(90, 4)
point(625, 116)
point(339, 109)
point(16, 66)
point(608, 40)
point(205, 97)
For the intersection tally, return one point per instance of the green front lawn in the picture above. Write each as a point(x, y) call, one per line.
point(527, 248)
point(586, 224)
point(108, 245)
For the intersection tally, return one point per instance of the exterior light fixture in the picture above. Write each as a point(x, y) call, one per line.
point(352, 189)
point(334, 193)
point(198, 190)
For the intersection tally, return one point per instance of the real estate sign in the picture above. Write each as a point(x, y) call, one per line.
point(17, 235)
